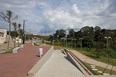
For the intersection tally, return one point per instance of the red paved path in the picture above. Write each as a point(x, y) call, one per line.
point(19, 64)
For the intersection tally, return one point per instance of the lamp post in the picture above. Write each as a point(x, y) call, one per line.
point(24, 31)
point(81, 42)
point(107, 47)
point(66, 41)
point(107, 39)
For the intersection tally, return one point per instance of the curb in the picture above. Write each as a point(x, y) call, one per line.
point(41, 62)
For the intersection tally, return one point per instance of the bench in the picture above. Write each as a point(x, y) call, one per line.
point(15, 50)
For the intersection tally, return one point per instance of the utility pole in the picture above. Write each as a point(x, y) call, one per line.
point(24, 31)
point(53, 39)
point(66, 41)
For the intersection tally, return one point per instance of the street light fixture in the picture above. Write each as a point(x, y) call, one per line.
point(66, 41)
point(24, 31)
point(107, 39)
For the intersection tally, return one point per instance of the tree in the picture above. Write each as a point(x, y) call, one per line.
point(8, 18)
point(51, 38)
point(71, 33)
point(19, 27)
point(19, 32)
point(97, 28)
point(88, 31)
point(88, 43)
point(99, 48)
point(15, 27)
point(60, 33)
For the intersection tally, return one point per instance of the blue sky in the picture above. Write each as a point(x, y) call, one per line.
point(51, 15)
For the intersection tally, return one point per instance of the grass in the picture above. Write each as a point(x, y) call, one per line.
point(101, 69)
point(92, 55)
point(9, 51)
point(37, 42)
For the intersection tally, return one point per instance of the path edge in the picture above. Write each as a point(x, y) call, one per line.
point(40, 63)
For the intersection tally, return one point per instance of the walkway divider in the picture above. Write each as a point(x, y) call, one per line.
point(41, 62)
point(79, 64)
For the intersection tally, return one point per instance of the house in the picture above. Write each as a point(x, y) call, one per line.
point(3, 35)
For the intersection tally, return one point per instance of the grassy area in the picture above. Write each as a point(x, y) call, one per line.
point(37, 42)
point(9, 51)
point(92, 54)
point(40, 42)
point(101, 69)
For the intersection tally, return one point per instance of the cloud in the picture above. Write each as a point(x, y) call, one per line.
point(75, 9)
point(61, 14)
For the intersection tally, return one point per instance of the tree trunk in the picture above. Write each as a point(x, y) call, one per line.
point(14, 41)
point(9, 35)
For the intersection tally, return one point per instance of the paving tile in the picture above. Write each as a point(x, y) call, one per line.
point(19, 64)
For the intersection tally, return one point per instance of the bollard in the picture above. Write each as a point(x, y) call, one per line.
point(40, 51)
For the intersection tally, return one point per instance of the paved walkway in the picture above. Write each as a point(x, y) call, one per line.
point(91, 61)
point(19, 64)
point(58, 66)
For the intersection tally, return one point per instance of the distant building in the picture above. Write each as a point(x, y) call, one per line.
point(3, 35)
point(28, 33)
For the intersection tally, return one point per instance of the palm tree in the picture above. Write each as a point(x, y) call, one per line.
point(15, 27)
point(19, 26)
point(8, 18)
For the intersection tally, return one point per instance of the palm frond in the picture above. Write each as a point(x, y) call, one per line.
point(19, 26)
point(16, 17)
point(9, 13)
point(15, 25)
point(4, 18)
point(3, 15)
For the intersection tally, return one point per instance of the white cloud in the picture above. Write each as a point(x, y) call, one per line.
point(75, 9)
point(62, 14)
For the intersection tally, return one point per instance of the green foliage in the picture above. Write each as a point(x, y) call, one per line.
point(43, 37)
point(71, 33)
point(93, 38)
point(14, 34)
point(88, 43)
point(60, 33)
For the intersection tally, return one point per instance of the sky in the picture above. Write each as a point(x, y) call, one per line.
point(46, 16)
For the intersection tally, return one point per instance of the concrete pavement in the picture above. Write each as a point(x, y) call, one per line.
point(58, 66)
